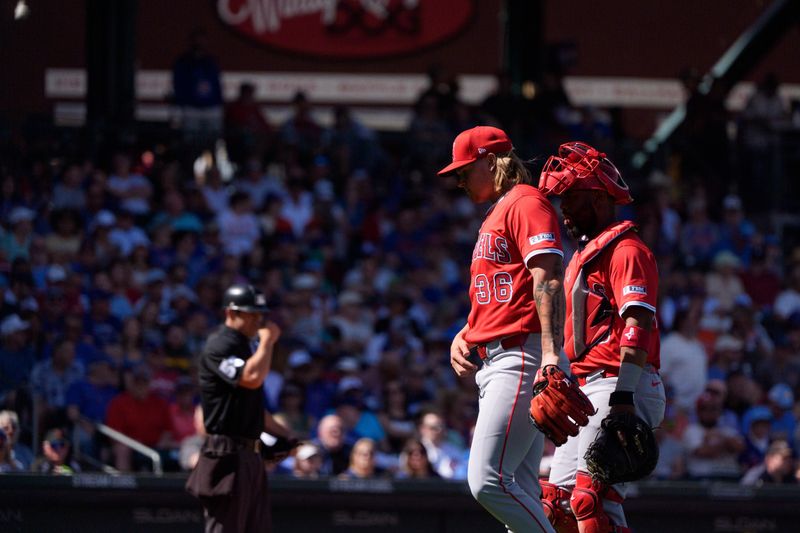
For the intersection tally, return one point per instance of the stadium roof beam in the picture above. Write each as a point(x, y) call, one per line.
point(744, 54)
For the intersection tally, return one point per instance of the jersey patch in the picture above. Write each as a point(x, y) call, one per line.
point(541, 237)
point(634, 289)
point(228, 366)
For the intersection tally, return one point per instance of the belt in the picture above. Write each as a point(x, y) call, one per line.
point(597, 374)
point(514, 341)
point(239, 443)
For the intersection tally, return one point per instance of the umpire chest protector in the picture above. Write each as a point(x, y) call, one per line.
point(592, 309)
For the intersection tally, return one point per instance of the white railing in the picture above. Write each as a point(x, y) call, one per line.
point(125, 440)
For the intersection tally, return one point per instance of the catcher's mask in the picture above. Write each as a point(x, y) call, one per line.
point(578, 166)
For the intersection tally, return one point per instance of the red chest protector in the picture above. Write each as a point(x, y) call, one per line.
point(590, 310)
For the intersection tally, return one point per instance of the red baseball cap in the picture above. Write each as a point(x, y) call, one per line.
point(473, 144)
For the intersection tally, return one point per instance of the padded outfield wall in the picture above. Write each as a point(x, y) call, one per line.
point(126, 503)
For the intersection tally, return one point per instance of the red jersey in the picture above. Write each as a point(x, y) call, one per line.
point(520, 225)
point(613, 271)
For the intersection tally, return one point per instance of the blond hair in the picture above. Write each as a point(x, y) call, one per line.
point(510, 171)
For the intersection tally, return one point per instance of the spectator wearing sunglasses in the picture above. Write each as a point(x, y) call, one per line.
point(56, 455)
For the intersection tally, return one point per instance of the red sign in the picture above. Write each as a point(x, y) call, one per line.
point(347, 28)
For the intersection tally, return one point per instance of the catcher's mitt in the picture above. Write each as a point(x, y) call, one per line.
point(559, 407)
point(625, 449)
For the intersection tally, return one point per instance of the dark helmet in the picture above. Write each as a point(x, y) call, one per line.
point(241, 297)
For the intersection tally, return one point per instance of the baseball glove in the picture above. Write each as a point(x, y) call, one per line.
point(625, 449)
point(277, 448)
point(559, 407)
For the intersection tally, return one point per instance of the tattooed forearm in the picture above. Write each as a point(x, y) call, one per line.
point(548, 295)
point(547, 271)
point(550, 306)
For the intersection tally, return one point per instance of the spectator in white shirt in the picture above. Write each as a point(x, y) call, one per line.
point(788, 301)
point(684, 362)
point(298, 206)
point(443, 455)
point(132, 190)
point(238, 225)
point(723, 283)
point(258, 184)
point(354, 322)
point(126, 236)
point(712, 448)
point(215, 192)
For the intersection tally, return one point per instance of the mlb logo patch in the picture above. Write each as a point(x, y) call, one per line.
point(541, 237)
point(634, 289)
point(230, 366)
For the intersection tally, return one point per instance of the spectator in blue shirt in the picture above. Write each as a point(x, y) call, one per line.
point(17, 356)
point(196, 76)
point(756, 427)
point(17, 242)
point(736, 232)
point(781, 401)
point(100, 324)
point(359, 420)
point(51, 378)
point(87, 400)
point(175, 215)
point(197, 90)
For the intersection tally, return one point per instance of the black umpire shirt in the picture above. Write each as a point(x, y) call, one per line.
point(229, 409)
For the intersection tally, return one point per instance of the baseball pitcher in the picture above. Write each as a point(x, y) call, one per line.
point(515, 325)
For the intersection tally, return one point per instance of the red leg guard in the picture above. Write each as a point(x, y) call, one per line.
point(587, 504)
point(555, 501)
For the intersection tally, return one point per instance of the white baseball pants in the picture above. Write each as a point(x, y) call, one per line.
point(506, 449)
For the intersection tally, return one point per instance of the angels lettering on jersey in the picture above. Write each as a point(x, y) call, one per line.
point(492, 248)
point(520, 225)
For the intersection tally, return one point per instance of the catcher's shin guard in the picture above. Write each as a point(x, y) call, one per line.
point(555, 502)
point(587, 504)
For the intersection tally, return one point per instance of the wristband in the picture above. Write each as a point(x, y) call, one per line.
point(635, 337)
point(620, 398)
point(628, 378)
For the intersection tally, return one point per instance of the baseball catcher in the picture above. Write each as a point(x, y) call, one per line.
point(611, 339)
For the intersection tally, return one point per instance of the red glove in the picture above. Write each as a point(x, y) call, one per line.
point(559, 407)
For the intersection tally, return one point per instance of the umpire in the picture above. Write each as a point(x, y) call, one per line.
point(230, 479)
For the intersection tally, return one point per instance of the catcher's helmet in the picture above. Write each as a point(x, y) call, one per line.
point(579, 166)
point(241, 297)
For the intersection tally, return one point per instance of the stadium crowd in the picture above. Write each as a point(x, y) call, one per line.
point(112, 265)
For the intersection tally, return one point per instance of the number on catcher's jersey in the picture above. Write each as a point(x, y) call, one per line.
point(501, 286)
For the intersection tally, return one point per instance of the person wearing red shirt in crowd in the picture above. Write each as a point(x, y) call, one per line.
point(140, 414)
point(762, 284)
point(515, 324)
point(610, 333)
point(182, 409)
point(247, 131)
